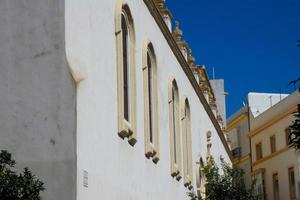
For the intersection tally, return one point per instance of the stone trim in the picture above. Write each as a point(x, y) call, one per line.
point(183, 63)
point(125, 129)
point(174, 145)
point(186, 143)
point(151, 148)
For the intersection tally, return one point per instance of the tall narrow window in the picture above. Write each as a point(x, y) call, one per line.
point(275, 187)
point(174, 122)
point(150, 95)
point(273, 144)
point(292, 185)
point(200, 179)
point(125, 43)
point(258, 149)
point(126, 71)
point(175, 150)
point(259, 183)
point(150, 102)
point(186, 140)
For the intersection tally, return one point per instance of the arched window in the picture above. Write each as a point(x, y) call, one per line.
point(200, 179)
point(186, 143)
point(174, 128)
point(126, 69)
point(125, 43)
point(150, 102)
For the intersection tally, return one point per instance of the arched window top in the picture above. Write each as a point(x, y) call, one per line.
point(185, 111)
point(173, 90)
point(208, 135)
point(151, 50)
point(126, 14)
point(124, 22)
point(149, 57)
point(122, 13)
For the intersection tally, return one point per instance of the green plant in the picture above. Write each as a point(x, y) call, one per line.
point(13, 186)
point(225, 183)
point(294, 136)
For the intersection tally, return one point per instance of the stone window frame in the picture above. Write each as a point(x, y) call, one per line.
point(292, 189)
point(275, 175)
point(175, 142)
point(273, 147)
point(151, 148)
point(186, 142)
point(125, 129)
point(200, 178)
point(258, 157)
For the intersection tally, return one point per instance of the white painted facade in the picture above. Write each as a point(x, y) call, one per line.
point(113, 169)
point(260, 102)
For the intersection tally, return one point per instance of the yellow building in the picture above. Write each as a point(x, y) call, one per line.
point(258, 136)
point(237, 129)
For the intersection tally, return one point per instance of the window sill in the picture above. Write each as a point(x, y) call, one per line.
point(176, 173)
point(152, 153)
point(127, 132)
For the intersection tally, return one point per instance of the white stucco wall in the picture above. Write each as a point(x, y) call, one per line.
point(260, 102)
point(115, 169)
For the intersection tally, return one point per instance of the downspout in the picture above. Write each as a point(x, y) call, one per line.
point(249, 129)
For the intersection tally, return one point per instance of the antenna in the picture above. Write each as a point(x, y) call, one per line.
point(270, 100)
point(213, 73)
point(280, 93)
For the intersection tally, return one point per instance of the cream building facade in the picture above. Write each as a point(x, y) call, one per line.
point(237, 129)
point(273, 165)
point(103, 99)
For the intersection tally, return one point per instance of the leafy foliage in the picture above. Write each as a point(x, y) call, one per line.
point(294, 137)
point(227, 185)
point(13, 186)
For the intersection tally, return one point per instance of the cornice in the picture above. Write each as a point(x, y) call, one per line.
point(236, 121)
point(270, 156)
point(241, 160)
point(271, 122)
point(186, 68)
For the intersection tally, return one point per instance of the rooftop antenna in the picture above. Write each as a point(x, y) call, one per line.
point(270, 100)
point(280, 93)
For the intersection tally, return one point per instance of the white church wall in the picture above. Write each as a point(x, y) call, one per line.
point(114, 169)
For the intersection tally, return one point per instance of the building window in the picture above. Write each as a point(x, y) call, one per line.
point(273, 143)
point(126, 71)
point(292, 185)
point(125, 43)
point(258, 149)
point(275, 186)
point(287, 135)
point(150, 103)
point(186, 141)
point(200, 179)
point(174, 121)
point(259, 184)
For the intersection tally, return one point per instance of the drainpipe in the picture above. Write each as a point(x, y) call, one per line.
point(249, 129)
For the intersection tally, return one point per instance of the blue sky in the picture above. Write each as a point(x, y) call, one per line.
point(250, 43)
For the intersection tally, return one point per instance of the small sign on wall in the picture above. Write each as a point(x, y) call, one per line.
point(85, 179)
